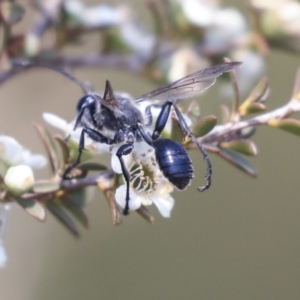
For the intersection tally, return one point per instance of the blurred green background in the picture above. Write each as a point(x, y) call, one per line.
point(239, 240)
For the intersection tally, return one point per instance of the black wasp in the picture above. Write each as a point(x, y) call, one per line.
point(114, 119)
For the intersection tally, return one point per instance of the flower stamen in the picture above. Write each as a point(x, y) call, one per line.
point(142, 179)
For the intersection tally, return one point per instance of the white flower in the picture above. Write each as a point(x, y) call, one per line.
point(249, 72)
point(112, 16)
point(115, 163)
point(101, 16)
point(148, 185)
point(13, 153)
point(224, 28)
point(199, 12)
point(137, 39)
point(19, 179)
point(63, 125)
point(74, 8)
point(185, 61)
point(93, 16)
point(279, 18)
point(32, 45)
point(160, 197)
point(67, 128)
point(134, 36)
point(228, 28)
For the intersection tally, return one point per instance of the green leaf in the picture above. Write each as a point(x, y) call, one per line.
point(49, 146)
point(78, 197)
point(252, 108)
point(33, 207)
point(289, 125)
point(64, 148)
point(245, 147)
point(176, 134)
point(253, 103)
point(46, 186)
point(74, 146)
point(238, 161)
point(247, 132)
point(259, 91)
point(76, 212)
point(113, 42)
point(204, 126)
point(52, 147)
point(11, 12)
point(59, 212)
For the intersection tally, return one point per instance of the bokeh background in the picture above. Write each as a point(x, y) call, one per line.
point(239, 240)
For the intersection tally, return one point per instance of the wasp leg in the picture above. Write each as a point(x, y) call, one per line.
point(184, 127)
point(160, 125)
point(96, 137)
point(162, 120)
point(124, 150)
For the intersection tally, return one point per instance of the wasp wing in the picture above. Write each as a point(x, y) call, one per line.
point(109, 100)
point(189, 86)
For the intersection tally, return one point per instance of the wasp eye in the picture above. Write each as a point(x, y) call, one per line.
point(84, 100)
point(81, 102)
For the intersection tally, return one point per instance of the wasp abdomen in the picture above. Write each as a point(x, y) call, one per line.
point(174, 162)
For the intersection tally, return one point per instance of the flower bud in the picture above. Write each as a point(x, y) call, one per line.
point(19, 179)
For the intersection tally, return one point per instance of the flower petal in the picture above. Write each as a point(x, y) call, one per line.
point(198, 13)
point(35, 161)
point(143, 153)
point(120, 196)
point(55, 121)
point(14, 153)
point(115, 163)
point(164, 205)
point(10, 149)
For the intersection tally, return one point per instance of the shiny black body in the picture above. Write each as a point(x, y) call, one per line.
point(174, 162)
point(113, 119)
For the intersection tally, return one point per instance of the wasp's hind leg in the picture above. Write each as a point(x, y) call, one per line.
point(184, 127)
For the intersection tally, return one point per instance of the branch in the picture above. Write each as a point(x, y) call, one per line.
point(74, 184)
point(221, 130)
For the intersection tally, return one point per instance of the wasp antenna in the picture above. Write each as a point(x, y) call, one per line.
point(27, 64)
